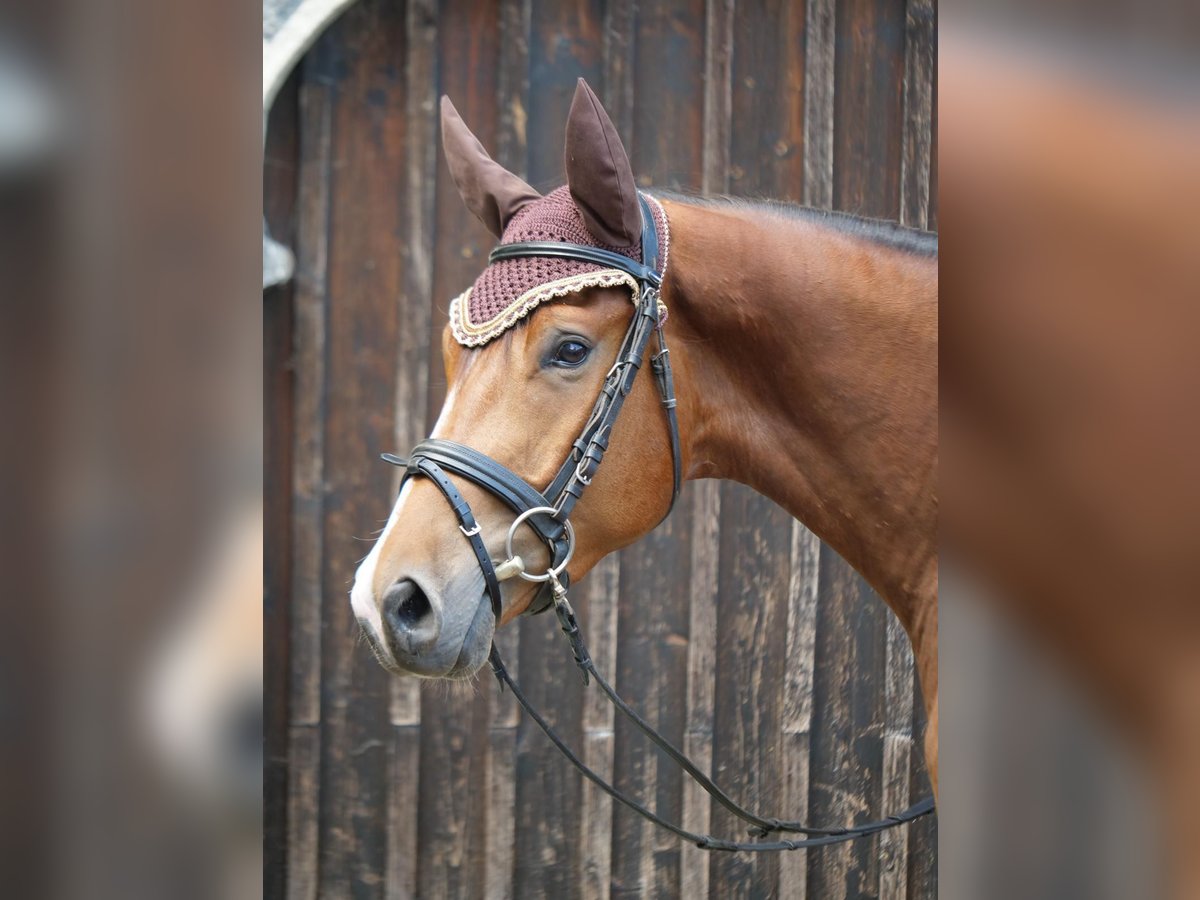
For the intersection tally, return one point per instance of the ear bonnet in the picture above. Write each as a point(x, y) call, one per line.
point(509, 289)
point(599, 207)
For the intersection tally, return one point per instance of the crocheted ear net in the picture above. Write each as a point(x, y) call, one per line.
point(509, 289)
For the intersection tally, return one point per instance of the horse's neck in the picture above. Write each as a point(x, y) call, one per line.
point(808, 370)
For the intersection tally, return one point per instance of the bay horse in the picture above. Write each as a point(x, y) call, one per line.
point(804, 349)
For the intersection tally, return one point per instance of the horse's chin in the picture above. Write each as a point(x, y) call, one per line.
point(458, 658)
point(477, 642)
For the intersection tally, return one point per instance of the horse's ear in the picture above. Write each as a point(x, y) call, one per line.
point(490, 191)
point(599, 174)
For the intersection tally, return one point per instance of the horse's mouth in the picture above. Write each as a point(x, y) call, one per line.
point(476, 642)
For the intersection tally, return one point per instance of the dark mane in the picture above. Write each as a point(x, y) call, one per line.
point(878, 231)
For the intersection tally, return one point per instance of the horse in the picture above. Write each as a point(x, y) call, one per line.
point(804, 349)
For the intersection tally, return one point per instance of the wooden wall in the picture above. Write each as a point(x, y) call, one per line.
point(731, 626)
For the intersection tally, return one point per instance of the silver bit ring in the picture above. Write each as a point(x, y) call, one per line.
point(554, 571)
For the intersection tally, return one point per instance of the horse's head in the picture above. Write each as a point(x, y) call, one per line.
point(523, 374)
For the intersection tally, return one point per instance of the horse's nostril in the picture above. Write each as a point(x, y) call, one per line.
point(414, 607)
point(410, 618)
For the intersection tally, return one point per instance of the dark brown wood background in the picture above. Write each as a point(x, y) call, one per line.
point(731, 627)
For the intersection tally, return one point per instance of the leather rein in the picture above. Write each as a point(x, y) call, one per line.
point(548, 512)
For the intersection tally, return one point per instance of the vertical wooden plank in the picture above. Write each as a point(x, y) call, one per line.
point(280, 170)
point(820, 42)
point(308, 453)
point(922, 874)
point(651, 669)
point(668, 109)
point(548, 791)
point(869, 107)
point(752, 624)
point(304, 772)
point(768, 109)
point(513, 85)
point(565, 43)
point(897, 758)
point(366, 274)
point(920, 36)
point(619, 42)
point(718, 94)
point(600, 608)
point(803, 586)
point(847, 753)
point(277, 478)
point(701, 679)
point(931, 212)
point(501, 797)
point(311, 291)
point(401, 791)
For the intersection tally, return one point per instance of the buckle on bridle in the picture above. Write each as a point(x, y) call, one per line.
point(585, 480)
point(474, 531)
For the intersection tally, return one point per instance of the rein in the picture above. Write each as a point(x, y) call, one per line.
point(548, 511)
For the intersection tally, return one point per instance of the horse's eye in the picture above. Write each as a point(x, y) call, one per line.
point(571, 353)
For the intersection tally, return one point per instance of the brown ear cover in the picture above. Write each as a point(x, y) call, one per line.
point(599, 174)
point(490, 191)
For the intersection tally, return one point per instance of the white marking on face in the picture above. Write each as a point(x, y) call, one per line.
point(445, 413)
point(362, 594)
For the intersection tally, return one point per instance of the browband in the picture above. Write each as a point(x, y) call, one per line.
point(580, 252)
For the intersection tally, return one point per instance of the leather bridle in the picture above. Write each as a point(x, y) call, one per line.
point(548, 512)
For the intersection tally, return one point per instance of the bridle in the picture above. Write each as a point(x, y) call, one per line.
point(548, 512)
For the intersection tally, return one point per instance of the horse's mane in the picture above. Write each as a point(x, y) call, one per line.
point(879, 231)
